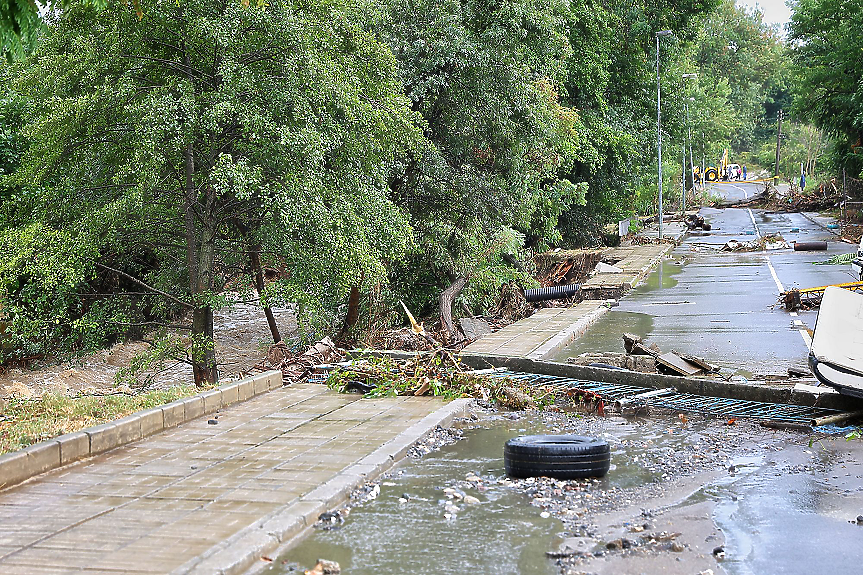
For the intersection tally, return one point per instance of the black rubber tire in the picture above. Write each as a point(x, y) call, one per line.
point(711, 175)
point(558, 456)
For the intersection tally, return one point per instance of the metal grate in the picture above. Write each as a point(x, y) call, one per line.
point(672, 399)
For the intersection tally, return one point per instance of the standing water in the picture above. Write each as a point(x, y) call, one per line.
point(503, 532)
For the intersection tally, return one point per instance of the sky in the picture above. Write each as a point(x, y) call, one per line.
point(775, 11)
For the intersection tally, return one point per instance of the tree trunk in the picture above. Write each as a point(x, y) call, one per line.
point(189, 220)
point(203, 351)
point(255, 261)
point(446, 299)
point(353, 309)
point(203, 347)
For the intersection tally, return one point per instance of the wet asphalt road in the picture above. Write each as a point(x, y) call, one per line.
point(734, 190)
point(720, 305)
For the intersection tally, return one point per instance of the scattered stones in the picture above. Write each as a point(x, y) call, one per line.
point(324, 567)
point(212, 422)
point(471, 500)
point(434, 440)
point(676, 546)
point(719, 553)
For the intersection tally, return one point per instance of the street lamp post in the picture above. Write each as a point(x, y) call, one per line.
point(689, 130)
point(659, 124)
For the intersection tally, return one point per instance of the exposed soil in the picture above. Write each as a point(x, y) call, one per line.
point(242, 338)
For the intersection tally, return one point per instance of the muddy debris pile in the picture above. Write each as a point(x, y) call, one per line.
point(769, 242)
point(438, 373)
point(560, 267)
point(696, 222)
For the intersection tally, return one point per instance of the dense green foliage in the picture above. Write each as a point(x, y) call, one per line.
point(827, 52)
point(152, 154)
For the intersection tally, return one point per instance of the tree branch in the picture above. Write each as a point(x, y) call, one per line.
point(149, 287)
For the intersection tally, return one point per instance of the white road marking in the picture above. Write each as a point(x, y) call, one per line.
point(752, 217)
point(804, 333)
point(745, 195)
point(775, 277)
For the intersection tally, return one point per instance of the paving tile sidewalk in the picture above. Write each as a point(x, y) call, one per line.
point(550, 329)
point(156, 505)
point(531, 336)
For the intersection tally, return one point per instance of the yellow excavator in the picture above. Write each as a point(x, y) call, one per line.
point(715, 173)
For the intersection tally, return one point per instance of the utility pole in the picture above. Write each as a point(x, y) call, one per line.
point(659, 124)
point(683, 185)
point(778, 146)
point(691, 164)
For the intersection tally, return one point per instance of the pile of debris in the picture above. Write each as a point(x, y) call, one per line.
point(826, 196)
point(647, 359)
point(437, 373)
point(297, 367)
point(696, 222)
point(566, 266)
point(769, 242)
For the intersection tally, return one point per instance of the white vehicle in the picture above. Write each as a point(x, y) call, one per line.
point(857, 264)
point(734, 171)
point(835, 357)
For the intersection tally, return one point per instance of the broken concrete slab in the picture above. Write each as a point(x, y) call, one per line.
point(677, 364)
point(604, 268)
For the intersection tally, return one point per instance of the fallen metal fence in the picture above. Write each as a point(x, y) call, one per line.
point(669, 398)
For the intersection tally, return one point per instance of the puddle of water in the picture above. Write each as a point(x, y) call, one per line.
point(606, 334)
point(663, 277)
point(784, 526)
point(501, 534)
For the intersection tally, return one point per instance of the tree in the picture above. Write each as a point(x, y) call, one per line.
point(482, 74)
point(175, 146)
point(828, 92)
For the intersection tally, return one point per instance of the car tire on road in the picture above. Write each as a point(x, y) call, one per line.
point(558, 456)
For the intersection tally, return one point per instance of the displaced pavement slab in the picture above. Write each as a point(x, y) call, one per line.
point(634, 261)
point(171, 500)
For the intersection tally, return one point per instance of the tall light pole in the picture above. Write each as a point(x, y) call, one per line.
point(659, 124)
point(689, 130)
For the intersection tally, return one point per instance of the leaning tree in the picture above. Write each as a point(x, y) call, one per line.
point(180, 147)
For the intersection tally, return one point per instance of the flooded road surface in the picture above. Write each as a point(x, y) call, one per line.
point(503, 534)
point(781, 517)
point(721, 305)
point(676, 491)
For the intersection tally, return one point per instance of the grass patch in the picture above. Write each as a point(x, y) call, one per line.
point(29, 421)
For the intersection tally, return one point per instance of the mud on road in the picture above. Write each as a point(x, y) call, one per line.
point(684, 495)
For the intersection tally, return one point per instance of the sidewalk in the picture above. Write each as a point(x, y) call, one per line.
point(550, 329)
point(207, 497)
point(541, 333)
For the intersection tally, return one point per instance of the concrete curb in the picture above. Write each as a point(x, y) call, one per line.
point(695, 386)
point(19, 466)
point(276, 532)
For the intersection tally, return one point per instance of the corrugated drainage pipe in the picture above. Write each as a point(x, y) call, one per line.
point(556, 292)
